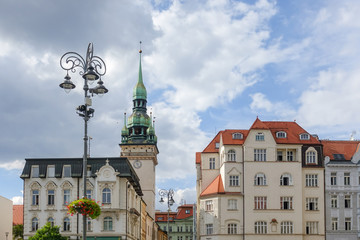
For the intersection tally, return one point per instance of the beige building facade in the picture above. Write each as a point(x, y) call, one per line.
point(6, 221)
point(263, 183)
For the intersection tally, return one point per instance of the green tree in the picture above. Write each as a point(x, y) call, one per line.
point(48, 232)
point(18, 231)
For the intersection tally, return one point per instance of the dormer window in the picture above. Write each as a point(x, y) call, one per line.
point(260, 137)
point(304, 136)
point(281, 134)
point(217, 145)
point(237, 136)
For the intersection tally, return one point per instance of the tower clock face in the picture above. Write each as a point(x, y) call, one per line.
point(137, 164)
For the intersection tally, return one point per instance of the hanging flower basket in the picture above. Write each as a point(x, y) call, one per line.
point(84, 206)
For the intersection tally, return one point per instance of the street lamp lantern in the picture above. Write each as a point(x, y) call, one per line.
point(170, 201)
point(91, 69)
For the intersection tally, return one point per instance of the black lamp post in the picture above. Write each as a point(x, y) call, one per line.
point(170, 201)
point(91, 69)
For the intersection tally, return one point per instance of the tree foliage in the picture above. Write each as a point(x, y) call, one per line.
point(48, 232)
point(18, 231)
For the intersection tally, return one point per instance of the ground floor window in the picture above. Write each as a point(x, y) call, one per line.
point(232, 228)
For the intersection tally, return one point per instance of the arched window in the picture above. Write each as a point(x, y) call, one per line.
point(34, 224)
point(231, 156)
point(260, 179)
point(51, 221)
point(281, 134)
point(286, 179)
point(106, 195)
point(108, 224)
point(304, 136)
point(311, 157)
point(237, 136)
point(66, 224)
point(260, 227)
point(286, 227)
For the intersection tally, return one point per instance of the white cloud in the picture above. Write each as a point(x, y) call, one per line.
point(17, 200)
point(14, 165)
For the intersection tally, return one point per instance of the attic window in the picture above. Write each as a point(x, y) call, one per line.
point(304, 136)
point(237, 136)
point(260, 137)
point(338, 156)
point(187, 211)
point(217, 145)
point(281, 134)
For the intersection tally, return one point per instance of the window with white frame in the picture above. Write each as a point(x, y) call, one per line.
point(334, 223)
point(108, 224)
point(311, 204)
point(347, 224)
point(286, 180)
point(34, 224)
point(347, 201)
point(259, 155)
point(286, 227)
point(312, 228)
point(66, 224)
point(67, 171)
point(233, 180)
point(260, 179)
point(211, 163)
point(260, 202)
point(106, 195)
point(51, 197)
point(311, 157)
point(281, 134)
point(286, 203)
point(311, 180)
point(35, 171)
point(290, 155)
point(304, 136)
point(35, 198)
point(237, 136)
point(333, 178)
point(347, 179)
point(209, 229)
point(209, 206)
point(51, 221)
point(260, 227)
point(232, 228)
point(51, 171)
point(88, 193)
point(217, 145)
point(260, 137)
point(334, 201)
point(231, 155)
point(66, 193)
point(279, 155)
point(232, 204)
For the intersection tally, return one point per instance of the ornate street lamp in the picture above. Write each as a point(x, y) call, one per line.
point(91, 68)
point(170, 201)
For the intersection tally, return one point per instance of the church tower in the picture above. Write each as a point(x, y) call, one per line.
point(138, 143)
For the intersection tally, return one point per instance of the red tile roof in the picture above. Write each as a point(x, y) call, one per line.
point(347, 148)
point(18, 214)
point(211, 147)
point(215, 187)
point(162, 216)
point(182, 211)
point(258, 124)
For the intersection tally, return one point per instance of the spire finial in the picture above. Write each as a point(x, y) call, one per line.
point(140, 51)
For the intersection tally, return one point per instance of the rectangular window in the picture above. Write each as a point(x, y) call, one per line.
point(88, 225)
point(212, 163)
point(67, 171)
point(286, 203)
point(209, 229)
point(35, 197)
point(259, 137)
point(187, 211)
point(35, 171)
point(279, 155)
point(232, 204)
point(334, 201)
point(286, 227)
point(66, 197)
point(311, 180)
point(209, 205)
point(311, 204)
point(88, 171)
point(347, 179)
point(51, 171)
point(260, 155)
point(290, 156)
point(260, 202)
point(260, 227)
point(51, 197)
point(234, 181)
point(232, 228)
point(333, 179)
point(348, 224)
point(88, 193)
point(334, 224)
point(312, 227)
point(347, 201)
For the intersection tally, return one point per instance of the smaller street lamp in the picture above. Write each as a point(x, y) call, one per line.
point(170, 201)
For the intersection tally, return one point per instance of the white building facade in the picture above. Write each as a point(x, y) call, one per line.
point(261, 183)
point(6, 221)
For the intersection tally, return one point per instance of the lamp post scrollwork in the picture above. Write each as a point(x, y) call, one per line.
point(170, 201)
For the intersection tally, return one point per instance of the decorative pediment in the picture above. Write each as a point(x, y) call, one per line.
point(66, 185)
point(50, 185)
point(35, 185)
point(106, 173)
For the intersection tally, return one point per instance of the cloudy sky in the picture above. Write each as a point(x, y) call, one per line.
point(207, 65)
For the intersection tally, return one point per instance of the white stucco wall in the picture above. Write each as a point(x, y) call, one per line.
point(6, 209)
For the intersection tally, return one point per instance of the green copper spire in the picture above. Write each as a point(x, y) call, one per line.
point(139, 91)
